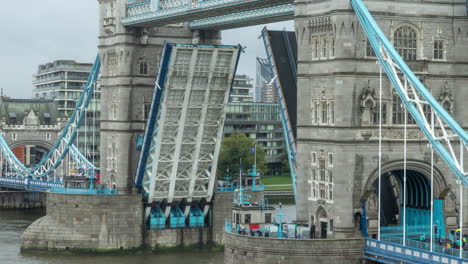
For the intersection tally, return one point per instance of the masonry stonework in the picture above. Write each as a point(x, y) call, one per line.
point(338, 84)
point(240, 249)
point(21, 200)
point(87, 222)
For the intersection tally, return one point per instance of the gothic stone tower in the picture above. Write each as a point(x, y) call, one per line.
point(338, 95)
point(130, 60)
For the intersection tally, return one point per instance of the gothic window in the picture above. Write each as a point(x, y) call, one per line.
point(146, 110)
point(143, 67)
point(330, 159)
point(398, 111)
point(324, 48)
point(324, 108)
point(315, 48)
point(377, 116)
point(332, 112)
point(323, 191)
point(405, 41)
point(369, 50)
point(439, 51)
point(313, 158)
point(48, 136)
point(316, 112)
point(427, 112)
point(323, 173)
point(330, 192)
point(14, 136)
point(332, 47)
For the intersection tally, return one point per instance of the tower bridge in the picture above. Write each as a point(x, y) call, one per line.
point(359, 135)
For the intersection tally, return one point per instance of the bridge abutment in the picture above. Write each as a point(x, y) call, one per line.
point(87, 222)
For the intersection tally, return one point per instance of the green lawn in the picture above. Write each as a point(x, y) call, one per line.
point(273, 180)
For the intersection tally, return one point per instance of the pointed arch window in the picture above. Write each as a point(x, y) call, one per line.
point(405, 41)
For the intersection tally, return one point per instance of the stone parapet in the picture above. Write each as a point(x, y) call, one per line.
point(87, 222)
point(240, 249)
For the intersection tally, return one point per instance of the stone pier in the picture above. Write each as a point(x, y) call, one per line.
point(87, 223)
point(240, 249)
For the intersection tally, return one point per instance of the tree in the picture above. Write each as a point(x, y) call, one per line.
point(236, 147)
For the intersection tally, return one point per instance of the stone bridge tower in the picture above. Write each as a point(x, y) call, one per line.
point(338, 88)
point(130, 60)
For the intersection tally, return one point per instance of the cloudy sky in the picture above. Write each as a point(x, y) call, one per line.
point(35, 32)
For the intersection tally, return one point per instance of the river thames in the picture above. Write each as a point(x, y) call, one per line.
point(14, 222)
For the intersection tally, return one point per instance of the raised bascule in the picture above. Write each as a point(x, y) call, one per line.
point(366, 152)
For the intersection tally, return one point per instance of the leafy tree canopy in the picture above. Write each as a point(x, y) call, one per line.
point(236, 147)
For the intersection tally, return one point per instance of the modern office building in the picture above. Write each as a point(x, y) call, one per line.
point(63, 81)
point(264, 90)
point(260, 121)
point(242, 89)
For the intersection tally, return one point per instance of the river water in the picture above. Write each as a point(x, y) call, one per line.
point(14, 222)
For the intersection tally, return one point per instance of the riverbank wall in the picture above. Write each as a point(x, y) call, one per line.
point(241, 249)
point(13, 199)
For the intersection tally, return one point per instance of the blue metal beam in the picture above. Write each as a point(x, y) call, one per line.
point(246, 18)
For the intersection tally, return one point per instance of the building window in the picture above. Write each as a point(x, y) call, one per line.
point(405, 41)
point(330, 159)
point(384, 114)
point(324, 48)
point(313, 159)
point(316, 49)
point(247, 219)
point(398, 111)
point(143, 65)
point(316, 112)
point(146, 110)
point(323, 191)
point(427, 112)
point(369, 50)
point(332, 47)
point(47, 136)
point(267, 218)
point(14, 136)
point(332, 112)
point(439, 51)
point(324, 107)
point(330, 192)
point(313, 177)
point(323, 174)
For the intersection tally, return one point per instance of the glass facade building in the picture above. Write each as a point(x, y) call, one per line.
point(242, 89)
point(63, 81)
point(262, 122)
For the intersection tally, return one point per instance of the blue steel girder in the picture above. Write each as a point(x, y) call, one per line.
point(443, 131)
point(163, 12)
point(247, 18)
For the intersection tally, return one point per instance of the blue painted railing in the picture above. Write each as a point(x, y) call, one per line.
point(414, 253)
point(84, 191)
